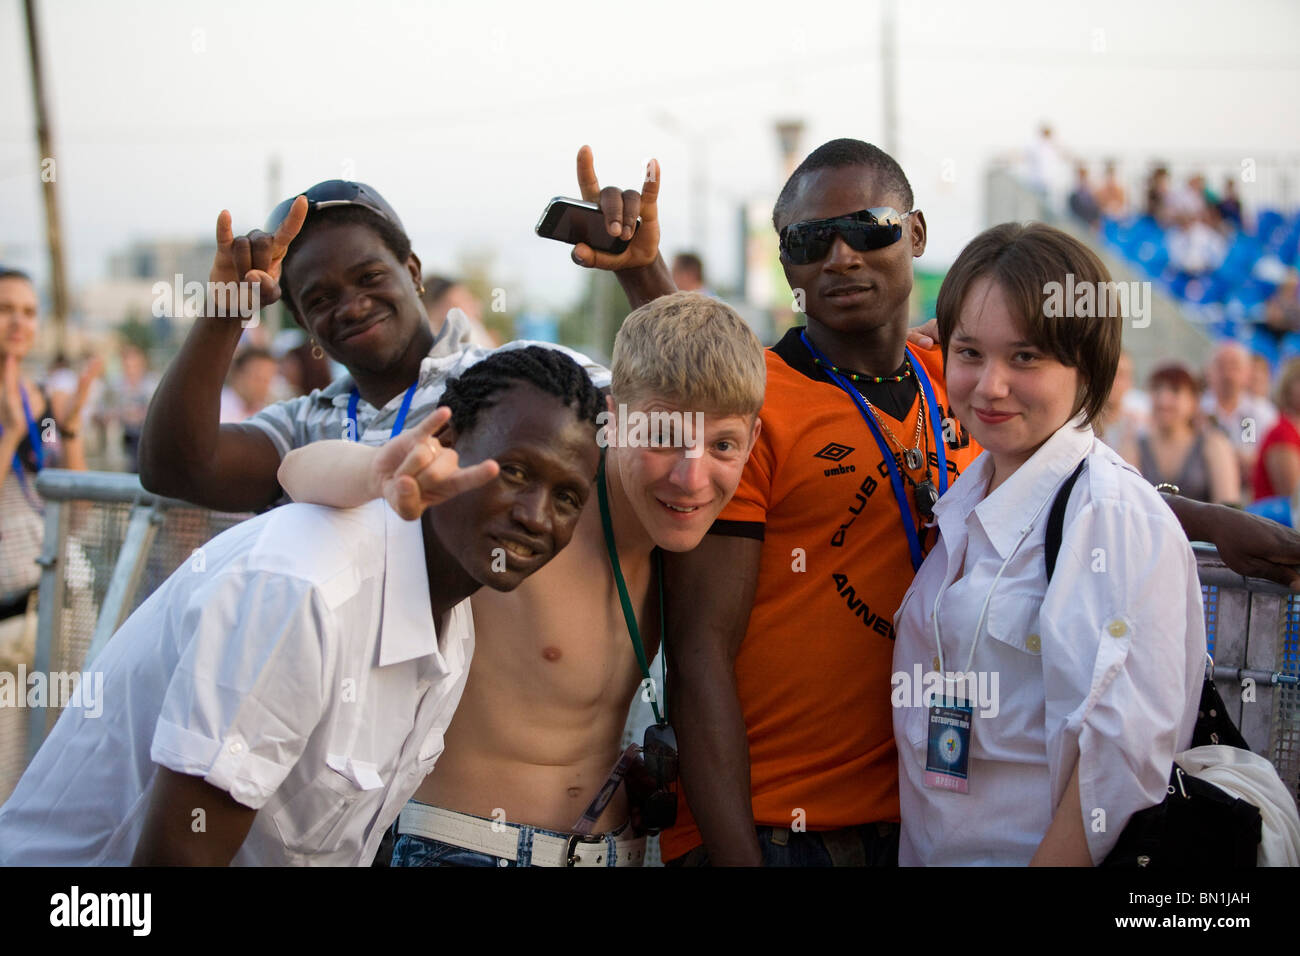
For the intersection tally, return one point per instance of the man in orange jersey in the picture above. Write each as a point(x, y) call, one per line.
point(786, 653)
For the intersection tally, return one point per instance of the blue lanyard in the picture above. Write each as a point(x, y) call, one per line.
point(355, 397)
point(33, 438)
point(38, 449)
point(895, 476)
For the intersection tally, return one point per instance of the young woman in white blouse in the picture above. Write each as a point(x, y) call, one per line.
point(1079, 691)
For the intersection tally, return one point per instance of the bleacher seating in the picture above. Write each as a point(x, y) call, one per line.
point(1229, 301)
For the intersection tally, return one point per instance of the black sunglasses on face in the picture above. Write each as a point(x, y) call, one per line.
point(810, 241)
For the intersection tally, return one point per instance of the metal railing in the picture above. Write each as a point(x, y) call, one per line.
point(1252, 628)
point(109, 544)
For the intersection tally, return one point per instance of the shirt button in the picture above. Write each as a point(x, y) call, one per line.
point(1033, 643)
point(236, 747)
point(1117, 628)
point(934, 665)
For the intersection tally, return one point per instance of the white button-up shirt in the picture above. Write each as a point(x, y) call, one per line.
point(1101, 668)
point(292, 662)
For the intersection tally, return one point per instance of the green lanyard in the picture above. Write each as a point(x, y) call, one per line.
point(626, 601)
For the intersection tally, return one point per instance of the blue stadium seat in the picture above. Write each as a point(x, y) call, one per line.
point(1111, 230)
point(1242, 255)
point(1278, 509)
point(1208, 290)
point(1289, 249)
point(1263, 342)
point(1177, 285)
point(1267, 224)
point(1290, 347)
point(1152, 257)
point(1254, 292)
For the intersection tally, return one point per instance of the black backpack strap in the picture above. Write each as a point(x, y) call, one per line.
point(1056, 519)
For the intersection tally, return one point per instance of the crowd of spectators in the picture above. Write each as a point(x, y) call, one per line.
point(1210, 433)
point(1185, 426)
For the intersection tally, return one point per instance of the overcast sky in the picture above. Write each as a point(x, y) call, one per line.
point(467, 117)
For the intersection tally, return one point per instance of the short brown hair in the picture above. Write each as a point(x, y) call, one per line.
point(1027, 261)
point(1174, 375)
point(693, 349)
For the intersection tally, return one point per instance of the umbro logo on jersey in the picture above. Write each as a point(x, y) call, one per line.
point(834, 452)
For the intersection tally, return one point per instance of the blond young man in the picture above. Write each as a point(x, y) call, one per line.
point(555, 669)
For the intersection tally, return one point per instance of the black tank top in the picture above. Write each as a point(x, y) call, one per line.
point(1193, 478)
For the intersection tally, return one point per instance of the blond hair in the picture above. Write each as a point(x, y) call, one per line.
point(692, 349)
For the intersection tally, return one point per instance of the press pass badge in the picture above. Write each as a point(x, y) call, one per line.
point(947, 758)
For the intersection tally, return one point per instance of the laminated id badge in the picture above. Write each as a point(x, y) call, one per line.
point(947, 757)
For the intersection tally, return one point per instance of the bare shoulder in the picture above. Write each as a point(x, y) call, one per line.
point(1217, 443)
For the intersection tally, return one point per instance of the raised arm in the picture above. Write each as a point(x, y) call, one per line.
point(67, 410)
point(412, 471)
point(184, 451)
point(639, 268)
point(709, 592)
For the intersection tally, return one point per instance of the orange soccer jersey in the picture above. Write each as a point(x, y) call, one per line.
point(813, 668)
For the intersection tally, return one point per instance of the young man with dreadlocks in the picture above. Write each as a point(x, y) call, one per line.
point(557, 665)
point(281, 704)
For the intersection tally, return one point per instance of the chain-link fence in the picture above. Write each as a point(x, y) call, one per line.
point(108, 544)
point(1252, 628)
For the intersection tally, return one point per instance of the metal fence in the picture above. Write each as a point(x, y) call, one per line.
point(1252, 628)
point(109, 544)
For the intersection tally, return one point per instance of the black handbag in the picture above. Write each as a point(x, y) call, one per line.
point(1197, 824)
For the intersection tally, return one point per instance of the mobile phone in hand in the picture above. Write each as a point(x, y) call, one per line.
point(573, 221)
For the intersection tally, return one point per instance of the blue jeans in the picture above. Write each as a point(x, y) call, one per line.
point(871, 844)
point(410, 850)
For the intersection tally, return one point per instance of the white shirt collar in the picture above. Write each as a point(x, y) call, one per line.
point(407, 628)
point(1003, 513)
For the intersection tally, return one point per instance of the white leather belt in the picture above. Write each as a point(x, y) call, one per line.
point(501, 839)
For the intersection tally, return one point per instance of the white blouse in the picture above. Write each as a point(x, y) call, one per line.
point(1102, 668)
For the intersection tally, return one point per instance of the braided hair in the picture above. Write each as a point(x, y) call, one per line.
point(550, 370)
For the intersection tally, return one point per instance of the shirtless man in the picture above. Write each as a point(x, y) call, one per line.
point(538, 727)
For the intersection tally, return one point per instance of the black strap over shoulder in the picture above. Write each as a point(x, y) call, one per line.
point(1056, 519)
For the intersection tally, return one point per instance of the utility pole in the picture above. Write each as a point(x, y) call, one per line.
point(889, 77)
point(53, 234)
